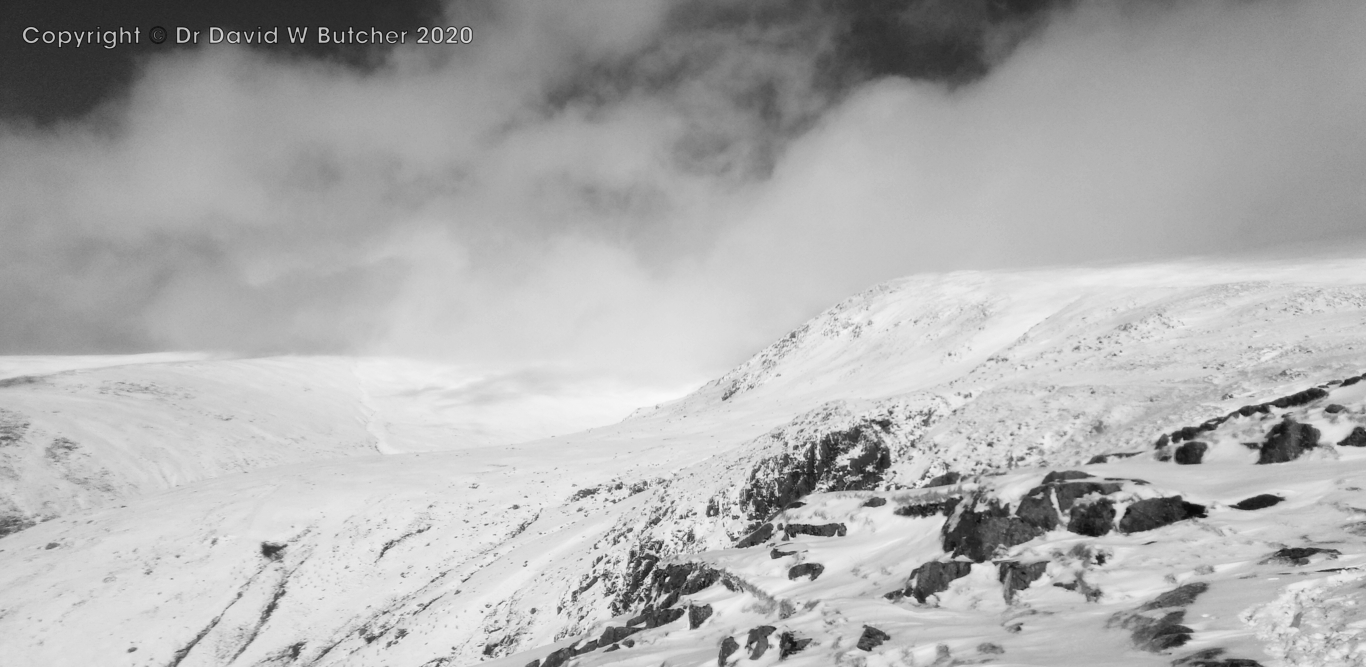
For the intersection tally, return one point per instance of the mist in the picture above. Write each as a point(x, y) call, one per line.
point(611, 191)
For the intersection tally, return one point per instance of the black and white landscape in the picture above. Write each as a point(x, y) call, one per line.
point(694, 333)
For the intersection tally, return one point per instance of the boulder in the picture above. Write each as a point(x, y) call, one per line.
point(871, 638)
point(1016, 576)
point(1287, 441)
point(822, 530)
point(1037, 509)
point(1070, 492)
point(788, 644)
point(1257, 502)
point(757, 641)
point(558, 657)
point(934, 577)
point(1065, 475)
point(1191, 453)
point(1335, 408)
point(697, 614)
point(1158, 512)
point(1092, 519)
point(978, 534)
point(1158, 634)
point(875, 502)
point(1181, 596)
point(614, 634)
point(1357, 438)
point(1299, 555)
point(812, 570)
point(728, 647)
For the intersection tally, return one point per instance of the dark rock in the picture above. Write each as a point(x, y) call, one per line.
point(1357, 438)
point(935, 577)
point(1351, 381)
point(1186, 433)
point(728, 647)
point(849, 460)
point(1257, 502)
point(1106, 458)
point(1070, 492)
point(922, 510)
point(614, 634)
point(944, 480)
point(534, 663)
point(1162, 441)
point(812, 570)
point(1092, 519)
point(1157, 512)
point(794, 505)
point(757, 537)
point(1158, 634)
point(662, 586)
point(558, 657)
point(653, 618)
point(1191, 453)
point(13, 523)
point(875, 502)
point(1335, 408)
point(1299, 555)
point(1065, 475)
point(775, 554)
point(978, 534)
point(697, 614)
point(1287, 441)
point(1302, 398)
point(272, 550)
point(1210, 658)
point(823, 530)
point(757, 641)
point(788, 644)
point(1036, 508)
point(1016, 576)
point(589, 647)
point(988, 648)
point(871, 638)
point(1181, 596)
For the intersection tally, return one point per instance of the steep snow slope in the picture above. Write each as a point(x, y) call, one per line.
point(370, 561)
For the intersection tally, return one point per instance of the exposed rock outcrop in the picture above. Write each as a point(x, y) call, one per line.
point(1158, 512)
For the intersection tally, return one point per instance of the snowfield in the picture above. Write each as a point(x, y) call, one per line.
point(918, 476)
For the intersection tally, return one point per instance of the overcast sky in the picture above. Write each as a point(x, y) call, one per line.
point(655, 190)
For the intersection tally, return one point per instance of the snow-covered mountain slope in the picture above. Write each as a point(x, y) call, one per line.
point(85, 437)
point(84, 432)
point(452, 558)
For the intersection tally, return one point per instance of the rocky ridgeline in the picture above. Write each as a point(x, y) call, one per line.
point(831, 488)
